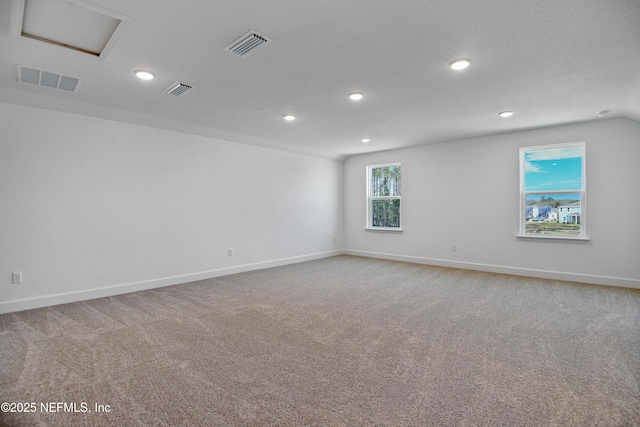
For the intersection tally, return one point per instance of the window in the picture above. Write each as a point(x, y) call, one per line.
point(383, 197)
point(552, 191)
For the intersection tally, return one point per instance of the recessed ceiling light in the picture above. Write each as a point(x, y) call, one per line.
point(289, 117)
point(505, 114)
point(604, 113)
point(144, 74)
point(356, 96)
point(365, 140)
point(459, 64)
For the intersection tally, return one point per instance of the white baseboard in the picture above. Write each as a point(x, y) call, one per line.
point(124, 288)
point(517, 271)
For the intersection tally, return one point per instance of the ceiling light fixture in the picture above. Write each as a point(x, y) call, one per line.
point(505, 114)
point(144, 74)
point(289, 117)
point(459, 64)
point(356, 96)
point(365, 140)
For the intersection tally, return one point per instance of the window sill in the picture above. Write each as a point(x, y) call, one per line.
point(548, 237)
point(393, 230)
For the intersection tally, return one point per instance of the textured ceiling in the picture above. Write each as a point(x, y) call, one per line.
point(550, 61)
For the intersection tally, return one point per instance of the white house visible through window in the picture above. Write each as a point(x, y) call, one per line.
point(553, 191)
point(383, 197)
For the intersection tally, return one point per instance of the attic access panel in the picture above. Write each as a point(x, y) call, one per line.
point(75, 24)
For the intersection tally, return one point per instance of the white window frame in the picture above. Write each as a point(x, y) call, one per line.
point(370, 199)
point(582, 192)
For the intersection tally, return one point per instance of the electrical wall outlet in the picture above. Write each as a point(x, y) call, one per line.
point(230, 252)
point(454, 248)
point(16, 277)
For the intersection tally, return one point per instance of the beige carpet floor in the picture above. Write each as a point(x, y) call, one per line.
point(343, 341)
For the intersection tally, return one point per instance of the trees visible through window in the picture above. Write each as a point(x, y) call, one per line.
point(383, 196)
point(552, 190)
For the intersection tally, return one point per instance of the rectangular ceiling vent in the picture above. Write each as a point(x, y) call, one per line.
point(248, 44)
point(48, 79)
point(178, 89)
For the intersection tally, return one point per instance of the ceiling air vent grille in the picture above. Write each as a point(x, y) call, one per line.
point(178, 89)
point(248, 44)
point(46, 78)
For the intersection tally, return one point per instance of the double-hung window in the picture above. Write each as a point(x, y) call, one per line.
point(383, 197)
point(553, 191)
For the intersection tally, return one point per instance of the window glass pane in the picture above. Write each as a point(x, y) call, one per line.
point(553, 169)
point(553, 214)
point(385, 181)
point(385, 213)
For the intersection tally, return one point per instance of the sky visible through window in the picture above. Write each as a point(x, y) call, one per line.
point(553, 170)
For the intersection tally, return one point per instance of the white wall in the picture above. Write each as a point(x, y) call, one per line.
point(92, 207)
point(466, 193)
